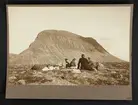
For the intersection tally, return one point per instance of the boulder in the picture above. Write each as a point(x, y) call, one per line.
point(37, 67)
point(100, 66)
point(76, 71)
point(12, 79)
point(21, 82)
point(45, 69)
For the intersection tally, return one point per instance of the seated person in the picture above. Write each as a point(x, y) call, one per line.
point(90, 64)
point(67, 63)
point(73, 63)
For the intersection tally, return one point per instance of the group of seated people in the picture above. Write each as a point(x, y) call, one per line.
point(83, 63)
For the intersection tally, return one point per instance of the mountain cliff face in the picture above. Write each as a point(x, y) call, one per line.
point(53, 46)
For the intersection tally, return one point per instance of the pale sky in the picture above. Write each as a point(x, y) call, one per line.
point(110, 26)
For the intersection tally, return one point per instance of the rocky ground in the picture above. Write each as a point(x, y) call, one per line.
point(117, 75)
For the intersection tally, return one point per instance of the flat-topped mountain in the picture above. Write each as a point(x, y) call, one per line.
point(53, 46)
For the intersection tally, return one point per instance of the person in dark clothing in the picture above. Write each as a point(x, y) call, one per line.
point(84, 63)
point(67, 63)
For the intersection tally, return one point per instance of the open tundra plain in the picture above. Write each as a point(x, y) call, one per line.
point(113, 74)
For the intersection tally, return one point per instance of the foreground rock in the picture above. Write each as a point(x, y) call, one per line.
point(21, 82)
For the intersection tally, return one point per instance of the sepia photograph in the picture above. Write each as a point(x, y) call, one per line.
point(69, 46)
